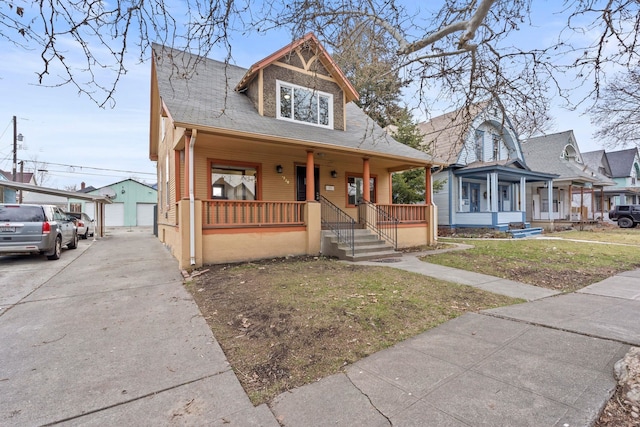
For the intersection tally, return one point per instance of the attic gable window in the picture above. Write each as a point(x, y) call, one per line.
point(301, 104)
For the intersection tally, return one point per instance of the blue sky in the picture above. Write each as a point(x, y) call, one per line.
point(80, 142)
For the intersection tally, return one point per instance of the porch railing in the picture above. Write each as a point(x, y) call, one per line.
point(406, 214)
point(339, 222)
point(251, 213)
point(385, 226)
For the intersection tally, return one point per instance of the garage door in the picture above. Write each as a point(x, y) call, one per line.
point(114, 215)
point(144, 214)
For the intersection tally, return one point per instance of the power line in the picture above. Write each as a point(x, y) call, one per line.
point(43, 163)
point(66, 173)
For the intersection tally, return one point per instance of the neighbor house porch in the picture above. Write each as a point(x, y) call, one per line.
point(489, 195)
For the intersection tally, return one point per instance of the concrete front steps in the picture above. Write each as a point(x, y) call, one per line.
point(525, 232)
point(367, 246)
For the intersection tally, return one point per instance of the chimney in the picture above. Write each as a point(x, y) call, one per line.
point(82, 185)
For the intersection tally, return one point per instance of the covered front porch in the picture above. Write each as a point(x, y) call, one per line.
point(492, 196)
point(243, 199)
point(571, 203)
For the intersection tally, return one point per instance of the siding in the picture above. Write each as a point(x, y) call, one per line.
point(441, 198)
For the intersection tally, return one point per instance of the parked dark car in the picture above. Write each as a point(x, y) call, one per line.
point(36, 229)
point(627, 216)
point(86, 226)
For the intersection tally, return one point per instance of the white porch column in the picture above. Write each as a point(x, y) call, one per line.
point(489, 196)
point(550, 196)
point(523, 194)
point(460, 194)
point(494, 192)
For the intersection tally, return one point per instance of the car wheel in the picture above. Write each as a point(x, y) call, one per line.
point(86, 234)
point(74, 242)
point(625, 222)
point(57, 249)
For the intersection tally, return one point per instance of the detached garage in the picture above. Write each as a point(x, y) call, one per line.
point(114, 215)
point(132, 203)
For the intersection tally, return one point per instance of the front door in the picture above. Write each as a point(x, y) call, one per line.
point(474, 203)
point(301, 183)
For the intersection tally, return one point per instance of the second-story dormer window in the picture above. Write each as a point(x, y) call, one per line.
point(301, 104)
point(496, 147)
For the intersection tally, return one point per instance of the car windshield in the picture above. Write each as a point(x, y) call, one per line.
point(21, 214)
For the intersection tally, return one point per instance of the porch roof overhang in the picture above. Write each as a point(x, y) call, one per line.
point(504, 173)
point(614, 191)
point(54, 192)
point(581, 182)
point(397, 162)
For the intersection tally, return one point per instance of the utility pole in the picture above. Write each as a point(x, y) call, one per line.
point(16, 137)
point(15, 148)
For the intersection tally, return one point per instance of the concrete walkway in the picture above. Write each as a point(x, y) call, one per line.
point(410, 262)
point(113, 338)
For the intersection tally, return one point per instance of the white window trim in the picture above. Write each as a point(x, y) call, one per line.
point(280, 83)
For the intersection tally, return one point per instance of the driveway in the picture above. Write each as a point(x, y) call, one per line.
point(107, 335)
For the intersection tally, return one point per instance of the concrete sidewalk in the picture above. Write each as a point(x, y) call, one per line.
point(113, 338)
point(544, 363)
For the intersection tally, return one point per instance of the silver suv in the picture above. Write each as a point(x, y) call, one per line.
point(36, 229)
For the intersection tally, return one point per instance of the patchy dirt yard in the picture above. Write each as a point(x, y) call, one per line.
point(283, 323)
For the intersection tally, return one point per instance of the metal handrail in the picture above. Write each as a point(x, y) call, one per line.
point(385, 225)
point(338, 221)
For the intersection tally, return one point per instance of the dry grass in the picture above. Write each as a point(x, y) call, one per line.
point(285, 323)
point(561, 265)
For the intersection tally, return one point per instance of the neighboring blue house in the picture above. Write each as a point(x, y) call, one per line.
point(485, 184)
point(623, 167)
point(133, 204)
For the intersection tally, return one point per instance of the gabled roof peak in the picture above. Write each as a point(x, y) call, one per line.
point(351, 94)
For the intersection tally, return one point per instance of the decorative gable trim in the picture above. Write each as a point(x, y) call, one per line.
point(321, 54)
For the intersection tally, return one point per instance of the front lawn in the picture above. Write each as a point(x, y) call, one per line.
point(286, 323)
point(557, 264)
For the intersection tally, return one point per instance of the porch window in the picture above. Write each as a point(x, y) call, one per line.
point(231, 182)
point(355, 188)
point(469, 197)
point(301, 104)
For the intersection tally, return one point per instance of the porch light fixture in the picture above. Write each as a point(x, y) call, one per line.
point(279, 168)
point(334, 174)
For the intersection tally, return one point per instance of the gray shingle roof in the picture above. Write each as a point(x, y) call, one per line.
point(444, 135)
point(621, 162)
point(544, 153)
point(596, 159)
point(205, 98)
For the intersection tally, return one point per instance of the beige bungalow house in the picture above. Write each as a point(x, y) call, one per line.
point(264, 162)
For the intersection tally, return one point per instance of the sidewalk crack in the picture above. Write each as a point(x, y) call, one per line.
point(369, 399)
